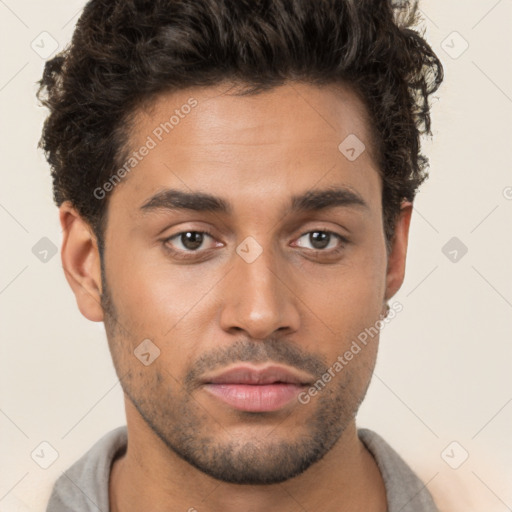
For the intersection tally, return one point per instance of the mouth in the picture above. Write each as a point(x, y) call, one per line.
point(247, 388)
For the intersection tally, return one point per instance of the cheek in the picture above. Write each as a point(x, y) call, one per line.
point(346, 306)
point(154, 294)
point(349, 295)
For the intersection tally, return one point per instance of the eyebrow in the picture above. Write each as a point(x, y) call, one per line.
point(312, 200)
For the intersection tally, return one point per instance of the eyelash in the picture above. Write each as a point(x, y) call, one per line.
point(181, 254)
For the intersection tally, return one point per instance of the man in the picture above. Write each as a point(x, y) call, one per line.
point(235, 181)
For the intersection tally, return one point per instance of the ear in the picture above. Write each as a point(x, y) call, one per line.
point(81, 262)
point(396, 262)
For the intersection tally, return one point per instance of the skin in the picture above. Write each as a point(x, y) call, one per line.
point(293, 305)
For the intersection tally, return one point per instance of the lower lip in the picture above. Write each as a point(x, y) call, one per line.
point(254, 397)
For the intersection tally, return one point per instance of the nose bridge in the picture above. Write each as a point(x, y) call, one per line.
point(257, 300)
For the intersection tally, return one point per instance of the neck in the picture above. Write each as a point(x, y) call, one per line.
point(149, 476)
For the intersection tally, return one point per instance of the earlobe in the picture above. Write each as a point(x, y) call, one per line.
point(81, 262)
point(396, 262)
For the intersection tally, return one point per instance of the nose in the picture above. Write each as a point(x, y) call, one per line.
point(258, 297)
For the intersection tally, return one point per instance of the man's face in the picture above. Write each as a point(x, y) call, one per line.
point(265, 287)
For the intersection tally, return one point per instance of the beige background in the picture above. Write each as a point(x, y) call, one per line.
point(443, 373)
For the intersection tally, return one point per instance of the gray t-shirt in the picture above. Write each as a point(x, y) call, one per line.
point(84, 486)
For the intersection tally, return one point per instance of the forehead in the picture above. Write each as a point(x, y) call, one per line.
point(289, 138)
point(223, 115)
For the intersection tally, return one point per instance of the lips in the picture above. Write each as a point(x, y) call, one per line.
point(247, 388)
point(251, 375)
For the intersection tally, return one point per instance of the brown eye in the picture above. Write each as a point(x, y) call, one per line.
point(320, 240)
point(187, 241)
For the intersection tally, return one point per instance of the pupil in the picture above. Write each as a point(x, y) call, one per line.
point(192, 239)
point(319, 239)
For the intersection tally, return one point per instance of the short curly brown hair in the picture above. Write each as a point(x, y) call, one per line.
point(125, 52)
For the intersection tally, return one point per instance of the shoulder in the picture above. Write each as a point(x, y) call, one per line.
point(83, 487)
point(405, 491)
